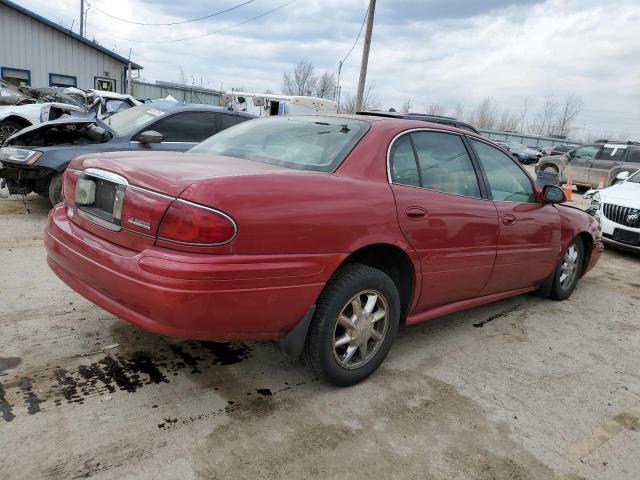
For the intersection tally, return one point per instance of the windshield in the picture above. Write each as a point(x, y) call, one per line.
point(133, 118)
point(301, 142)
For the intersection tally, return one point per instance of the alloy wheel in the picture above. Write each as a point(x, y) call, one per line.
point(569, 266)
point(5, 132)
point(360, 329)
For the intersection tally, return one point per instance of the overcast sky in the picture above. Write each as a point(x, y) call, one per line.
point(426, 51)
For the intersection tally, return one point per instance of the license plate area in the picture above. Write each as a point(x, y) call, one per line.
point(626, 236)
point(103, 204)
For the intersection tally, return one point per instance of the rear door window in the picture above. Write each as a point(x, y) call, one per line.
point(227, 120)
point(614, 153)
point(634, 155)
point(191, 127)
point(445, 165)
point(404, 168)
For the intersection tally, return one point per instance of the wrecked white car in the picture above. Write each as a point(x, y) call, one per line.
point(48, 104)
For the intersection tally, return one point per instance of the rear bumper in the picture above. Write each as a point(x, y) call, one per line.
point(197, 296)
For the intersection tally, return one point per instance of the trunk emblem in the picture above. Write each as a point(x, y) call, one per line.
point(139, 223)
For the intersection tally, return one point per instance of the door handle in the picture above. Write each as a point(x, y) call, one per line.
point(508, 219)
point(415, 213)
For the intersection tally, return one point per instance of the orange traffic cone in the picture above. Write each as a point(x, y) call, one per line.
point(600, 184)
point(568, 189)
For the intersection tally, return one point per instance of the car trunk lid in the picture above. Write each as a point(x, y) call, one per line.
point(123, 196)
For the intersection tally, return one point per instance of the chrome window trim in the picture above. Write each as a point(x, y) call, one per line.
point(406, 132)
point(106, 175)
point(195, 244)
point(98, 221)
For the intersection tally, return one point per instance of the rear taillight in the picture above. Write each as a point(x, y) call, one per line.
point(69, 183)
point(188, 223)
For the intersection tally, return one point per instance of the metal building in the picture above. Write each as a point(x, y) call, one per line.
point(183, 93)
point(41, 53)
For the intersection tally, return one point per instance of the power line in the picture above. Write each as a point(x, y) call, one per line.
point(201, 35)
point(364, 20)
point(173, 23)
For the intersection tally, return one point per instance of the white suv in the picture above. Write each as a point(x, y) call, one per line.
point(618, 210)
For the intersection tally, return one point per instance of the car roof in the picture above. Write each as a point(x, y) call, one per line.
point(193, 107)
point(422, 117)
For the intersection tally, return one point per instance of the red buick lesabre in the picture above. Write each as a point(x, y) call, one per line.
point(323, 233)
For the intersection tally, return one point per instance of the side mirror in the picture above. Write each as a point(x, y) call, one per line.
point(553, 194)
point(622, 176)
point(151, 136)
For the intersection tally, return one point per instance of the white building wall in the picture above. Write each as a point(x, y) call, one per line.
point(28, 44)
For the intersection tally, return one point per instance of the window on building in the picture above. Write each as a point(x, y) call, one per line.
point(57, 80)
point(16, 76)
point(106, 84)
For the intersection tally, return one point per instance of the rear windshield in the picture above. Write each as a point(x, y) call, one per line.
point(132, 118)
point(299, 142)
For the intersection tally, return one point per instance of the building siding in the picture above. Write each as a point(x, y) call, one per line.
point(28, 44)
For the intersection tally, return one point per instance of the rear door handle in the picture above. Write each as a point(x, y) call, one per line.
point(415, 213)
point(508, 219)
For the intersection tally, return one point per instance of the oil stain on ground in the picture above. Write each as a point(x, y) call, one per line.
point(120, 372)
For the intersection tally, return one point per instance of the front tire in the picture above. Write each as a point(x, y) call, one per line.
point(355, 323)
point(7, 129)
point(568, 272)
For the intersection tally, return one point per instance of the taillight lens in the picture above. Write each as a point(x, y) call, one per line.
point(69, 182)
point(192, 224)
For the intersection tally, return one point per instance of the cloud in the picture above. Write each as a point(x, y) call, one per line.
point(444, 51)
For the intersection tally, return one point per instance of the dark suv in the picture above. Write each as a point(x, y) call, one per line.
point(588, 164)
point(424, 117)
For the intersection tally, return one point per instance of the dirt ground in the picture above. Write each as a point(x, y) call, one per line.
point(526, 388)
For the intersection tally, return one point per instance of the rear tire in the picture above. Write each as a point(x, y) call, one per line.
point(568, 272)
point(354, 325)
point(55, 189)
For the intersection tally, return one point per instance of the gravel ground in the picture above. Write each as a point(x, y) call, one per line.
point(526, 388)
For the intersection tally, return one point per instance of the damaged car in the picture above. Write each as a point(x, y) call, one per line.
point(36, 105)
point(34, 159)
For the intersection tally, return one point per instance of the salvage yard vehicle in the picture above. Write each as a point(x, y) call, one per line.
point(321, 232)
point(520, 152)
point(47, 104)
point(618, 210)
point(270, 104)
point(35, 158)
point(589, 164)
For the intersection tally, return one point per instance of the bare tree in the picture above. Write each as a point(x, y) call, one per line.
point(182, 78)
point(459, 111)
point(370, 100)
point(302, 81)
point(523, 114)
point(326, 85)
point(508, 121)
point(485, 115)
point(545, 115)
point(569, 110)
point(406, 106)
point(436, 109)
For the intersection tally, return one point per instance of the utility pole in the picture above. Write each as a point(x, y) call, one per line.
point(365, 56)
point(82, 18)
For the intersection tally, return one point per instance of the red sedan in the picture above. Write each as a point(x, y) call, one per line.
point(323, 233)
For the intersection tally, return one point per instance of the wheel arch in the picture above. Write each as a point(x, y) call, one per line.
point(587, 243)
point(17, 119)
point(396, 263)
